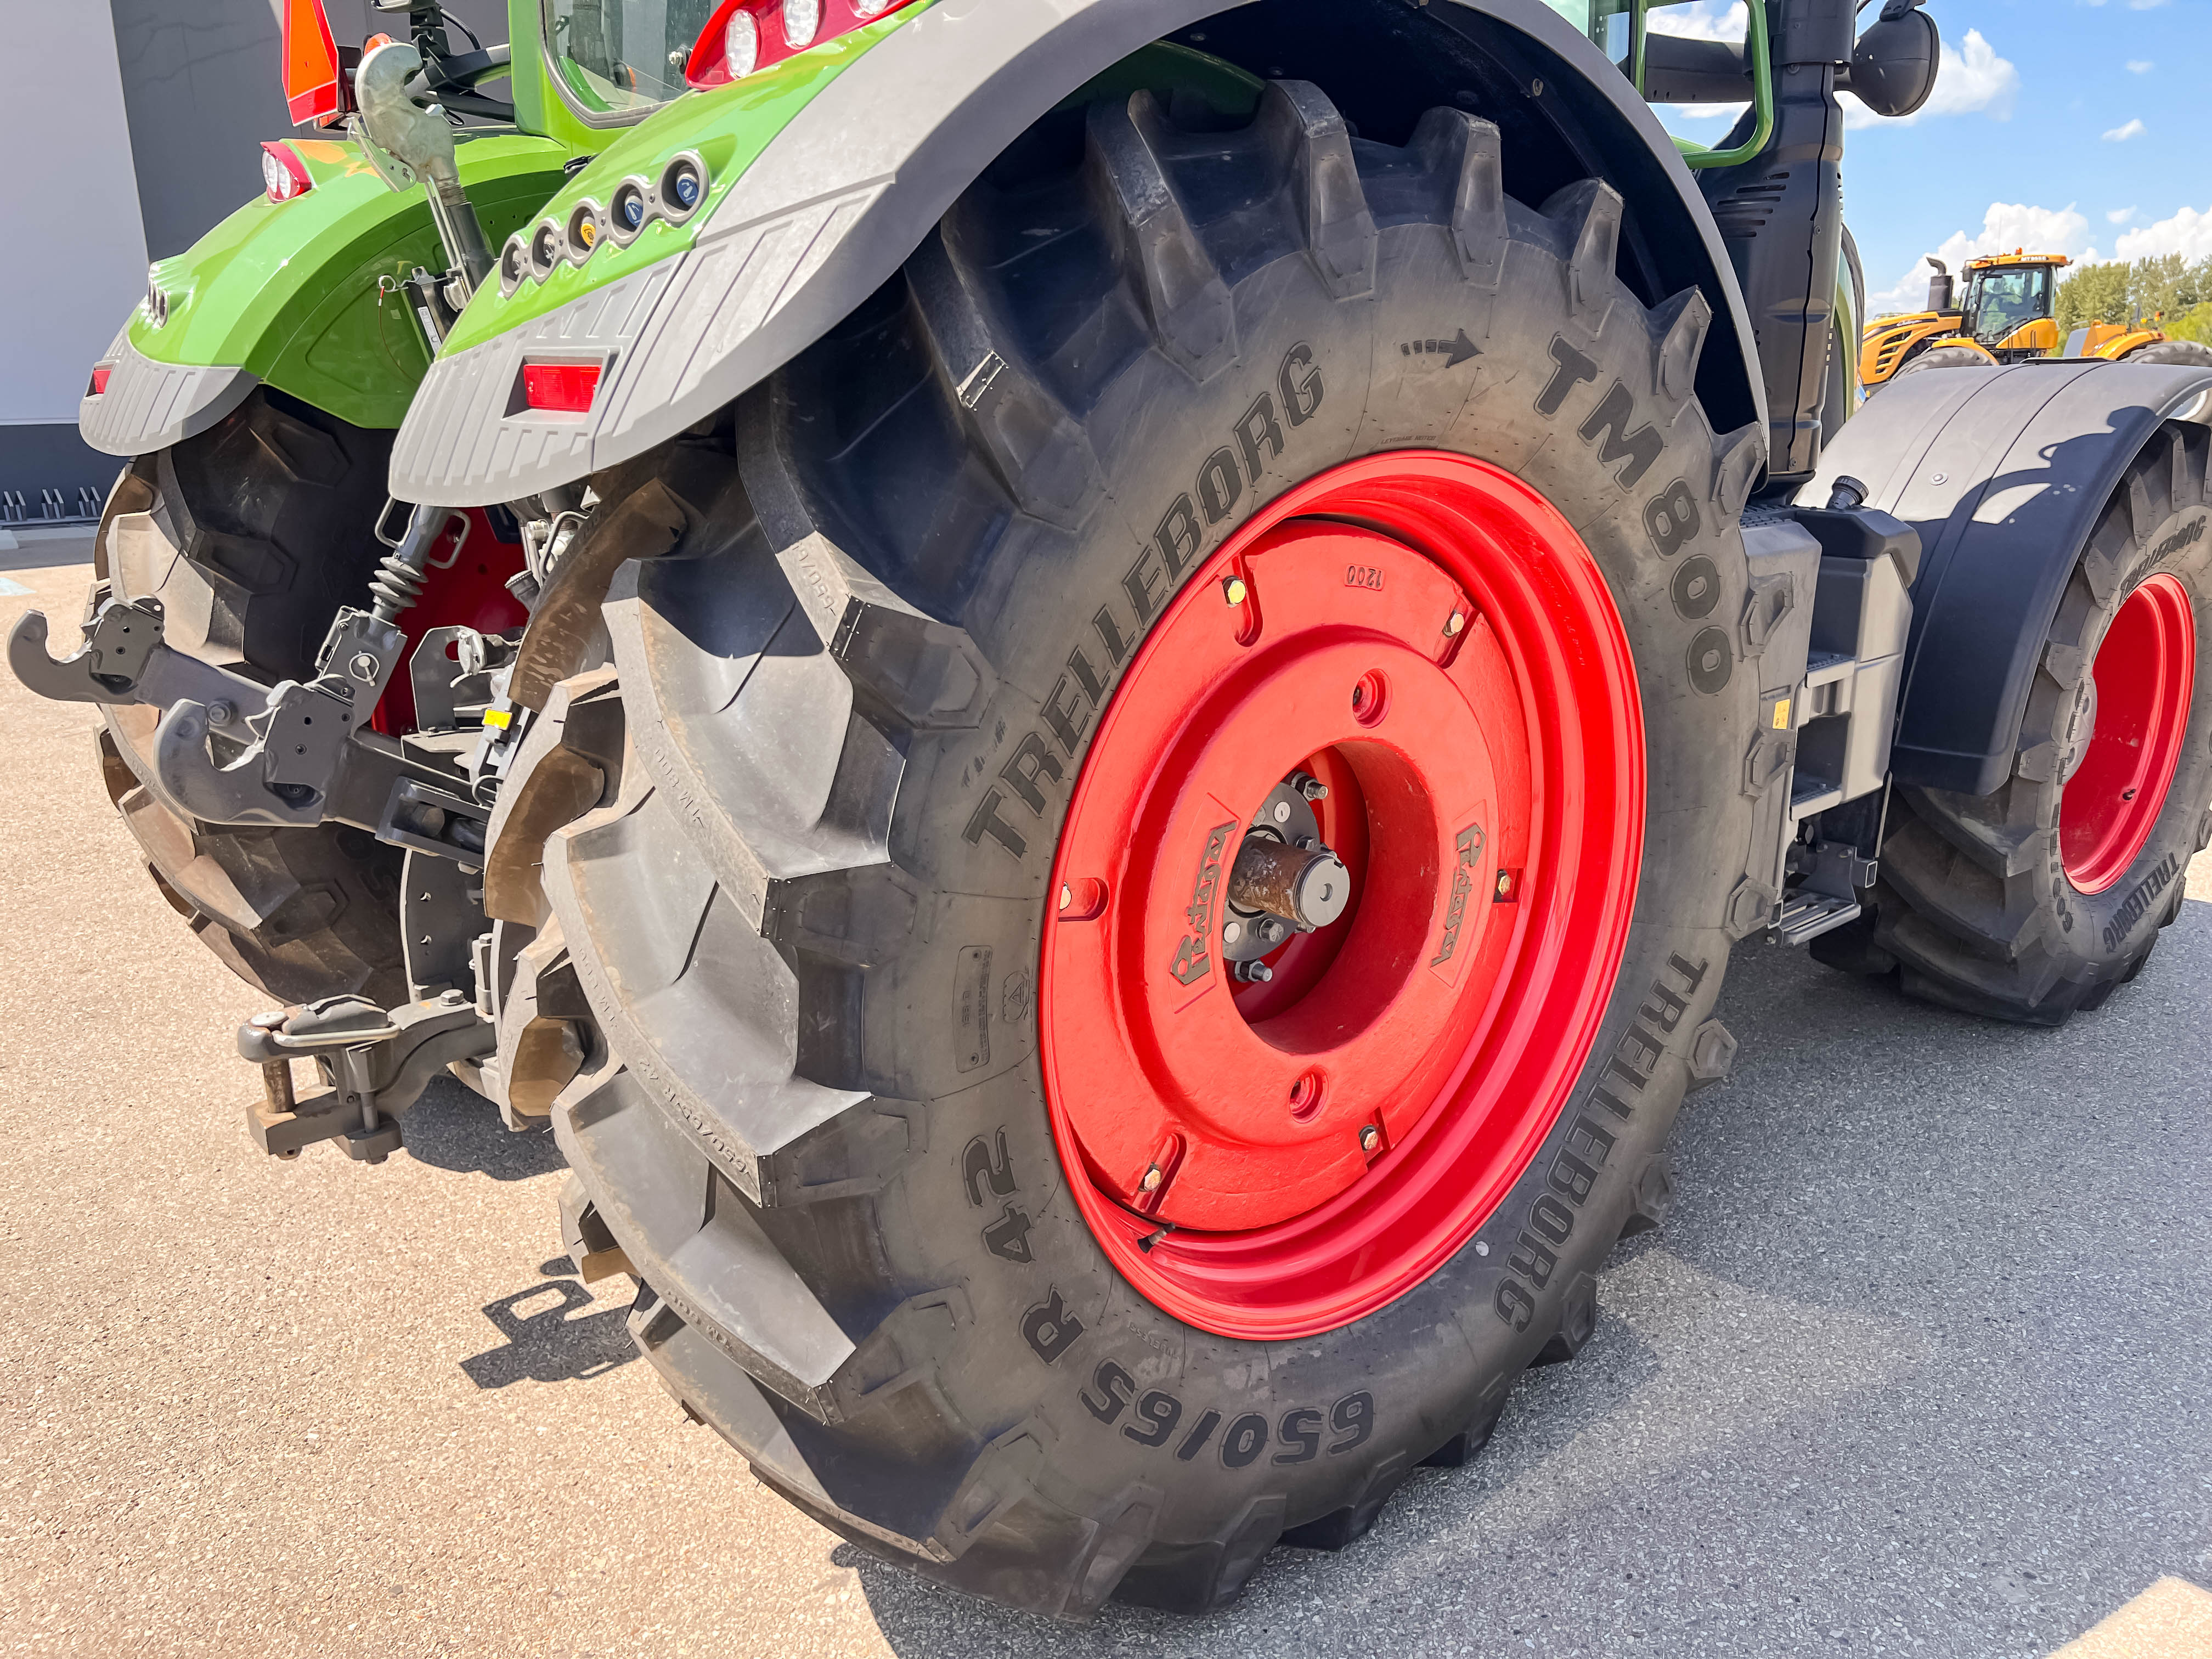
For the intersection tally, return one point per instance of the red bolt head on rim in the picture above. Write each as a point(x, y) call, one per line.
point(2145, 676)
point(1423, 635)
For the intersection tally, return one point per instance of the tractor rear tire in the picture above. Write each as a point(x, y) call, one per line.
point(252, 535)
point(1946, 357)
point(2007, 905)
point(2185, 354)
point(808, 929)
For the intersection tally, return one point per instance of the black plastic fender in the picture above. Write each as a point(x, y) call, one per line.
point(840, 198)
point(2003, 472)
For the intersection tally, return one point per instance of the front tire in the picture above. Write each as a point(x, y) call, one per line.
point(2185, 354)
point(810, 928)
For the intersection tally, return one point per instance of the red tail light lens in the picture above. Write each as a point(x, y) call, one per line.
point(100, 374)
point(745, 36)
point(283, 172)
point(560, 388)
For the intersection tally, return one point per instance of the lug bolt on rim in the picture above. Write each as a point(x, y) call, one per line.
point(1370, 1136)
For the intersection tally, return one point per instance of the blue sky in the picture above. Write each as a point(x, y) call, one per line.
point(2073, 127)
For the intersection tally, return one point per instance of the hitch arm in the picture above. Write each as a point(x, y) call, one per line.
point(379, 1063)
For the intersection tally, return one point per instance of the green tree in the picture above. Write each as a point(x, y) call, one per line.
point(2194, 323)
point(2093, 294)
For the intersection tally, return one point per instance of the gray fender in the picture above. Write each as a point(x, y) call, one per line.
point(2003, 471)
point(843, 196)
point(149, 405)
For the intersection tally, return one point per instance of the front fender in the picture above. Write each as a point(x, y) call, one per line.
point(872, 145)
point(284, 293)
point(2003, 471)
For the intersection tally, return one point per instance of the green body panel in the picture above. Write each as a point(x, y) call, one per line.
point(538, 107)
point(728, 127)
point(288, 291)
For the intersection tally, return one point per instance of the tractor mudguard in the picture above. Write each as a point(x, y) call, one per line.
point(826, 172)
point(2003, 472)
point(285, 294)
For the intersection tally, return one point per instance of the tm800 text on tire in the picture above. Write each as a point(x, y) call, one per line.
point(1186, 490)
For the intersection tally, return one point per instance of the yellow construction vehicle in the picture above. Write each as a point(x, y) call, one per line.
point(2006, 317)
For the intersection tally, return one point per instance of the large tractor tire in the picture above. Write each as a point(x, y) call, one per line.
point(252, 535)
point(1181, 476)
point(1949, 356)
point(2032, 904)
point(2185, 354)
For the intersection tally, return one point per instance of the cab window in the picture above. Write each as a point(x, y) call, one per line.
point(622, 57)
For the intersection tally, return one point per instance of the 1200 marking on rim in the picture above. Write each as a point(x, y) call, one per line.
point(1282, 1105)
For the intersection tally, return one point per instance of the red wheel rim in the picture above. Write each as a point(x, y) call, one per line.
point(1270, 1161)
point(2145, 673)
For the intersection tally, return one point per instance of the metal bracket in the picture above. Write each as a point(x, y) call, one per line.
point(302, 736)
point(124, 658)
point(377, 1063)
point(448, 685)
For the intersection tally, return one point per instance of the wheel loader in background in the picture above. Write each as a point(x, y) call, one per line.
point(1090, 692)
point(2006, 318)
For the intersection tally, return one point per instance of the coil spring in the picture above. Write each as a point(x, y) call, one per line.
point(396, 586)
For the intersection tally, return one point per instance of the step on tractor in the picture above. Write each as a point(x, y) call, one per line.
point(2006, 318)
point(1088, 694)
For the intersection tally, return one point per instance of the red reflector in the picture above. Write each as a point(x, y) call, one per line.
point(311, 64)
point(565, 387)
point(99, 380)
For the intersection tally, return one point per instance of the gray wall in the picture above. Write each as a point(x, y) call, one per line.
point(157, 130)
point(79, 263)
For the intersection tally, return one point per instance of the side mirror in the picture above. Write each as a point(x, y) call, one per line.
point(1894, 64)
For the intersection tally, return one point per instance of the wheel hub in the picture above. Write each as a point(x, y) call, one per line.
point(1330, 847)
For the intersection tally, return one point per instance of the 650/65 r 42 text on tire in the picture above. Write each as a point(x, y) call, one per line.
point(1197, 511)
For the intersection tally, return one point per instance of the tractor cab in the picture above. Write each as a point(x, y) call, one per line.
point(2008, 301)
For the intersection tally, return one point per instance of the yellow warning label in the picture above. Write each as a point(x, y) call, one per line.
point(500, 717)
point(1781, 716)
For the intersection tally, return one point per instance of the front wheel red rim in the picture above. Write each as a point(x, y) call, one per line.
point(2145, 676)
point(1422, 642)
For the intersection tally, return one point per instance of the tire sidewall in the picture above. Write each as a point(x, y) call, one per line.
point(1055, 1343)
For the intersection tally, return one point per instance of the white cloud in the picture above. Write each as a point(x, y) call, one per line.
point(2188, 232)
point(2140, 66)
point(1704, 20)
point(1971, 77)
point(2119, 215)
point(2006, 226)
point(2120, 134)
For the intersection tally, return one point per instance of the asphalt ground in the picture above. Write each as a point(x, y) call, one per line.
point(1920, 1364)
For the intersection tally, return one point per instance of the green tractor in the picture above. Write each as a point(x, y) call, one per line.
point(1091, 691)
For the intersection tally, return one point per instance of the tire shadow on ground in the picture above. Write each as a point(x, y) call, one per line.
point(452, 1127)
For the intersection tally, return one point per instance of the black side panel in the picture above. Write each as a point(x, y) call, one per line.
point(1781, 214)
point(2003, 472)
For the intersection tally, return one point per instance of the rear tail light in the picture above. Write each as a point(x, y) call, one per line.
point(747, 35)
point(283, 172)
point(100, 374)
point(560, 388)
point(314, 86)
